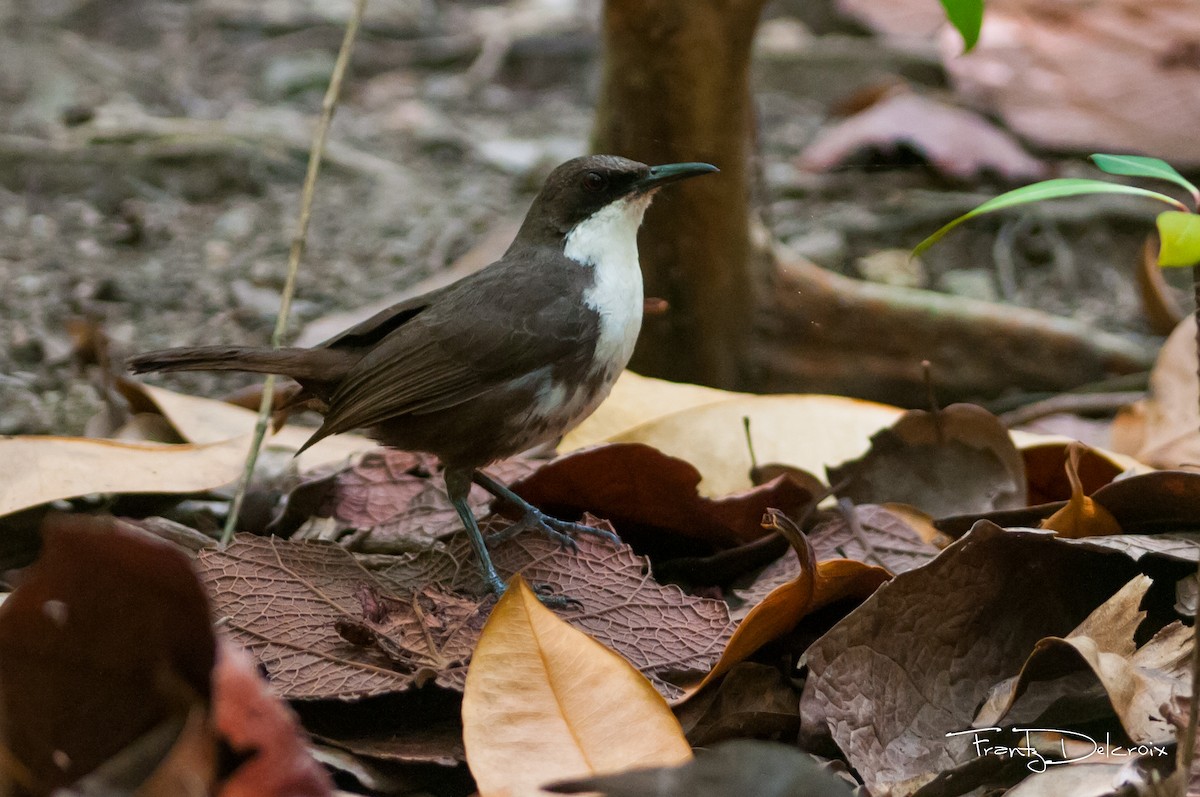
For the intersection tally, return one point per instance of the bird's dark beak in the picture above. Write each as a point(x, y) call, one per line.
point(659, 176)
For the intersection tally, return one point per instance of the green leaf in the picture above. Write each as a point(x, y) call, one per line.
point(1039, 192)
point(1139, 166)
point(967, 17)
point(1178, 239)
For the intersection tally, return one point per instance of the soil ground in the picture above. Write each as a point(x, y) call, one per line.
point(172, 225)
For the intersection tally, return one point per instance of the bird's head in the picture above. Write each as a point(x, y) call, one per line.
point(582, 187)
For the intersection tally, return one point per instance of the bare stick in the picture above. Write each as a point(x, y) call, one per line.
point(1189, 735)
point(297, 251)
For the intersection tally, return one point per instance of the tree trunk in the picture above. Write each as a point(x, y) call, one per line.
point(677, 88)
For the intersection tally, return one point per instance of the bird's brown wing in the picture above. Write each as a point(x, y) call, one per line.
point(479, 335)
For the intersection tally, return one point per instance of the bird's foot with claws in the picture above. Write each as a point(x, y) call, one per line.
point(561, 531)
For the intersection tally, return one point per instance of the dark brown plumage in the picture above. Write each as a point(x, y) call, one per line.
point(496, 363)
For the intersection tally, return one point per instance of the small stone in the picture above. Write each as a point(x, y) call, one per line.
point(262, 301)
point(88, 248)
point(30, 284)
point(22, 411)
point(43, 227)
point(825, 247)
point(217, 254)
point(892, 267)
point(295, 73)
point(236, 224)
point(782, 36)
point(15, 216)
point(75, 407)
point(970, 283)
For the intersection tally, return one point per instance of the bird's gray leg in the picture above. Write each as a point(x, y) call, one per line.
point(458, 484)
point(558, 530)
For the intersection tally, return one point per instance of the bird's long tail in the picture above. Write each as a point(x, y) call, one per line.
point(300, 364)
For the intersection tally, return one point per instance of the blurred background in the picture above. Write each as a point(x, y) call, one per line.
point(152, 151)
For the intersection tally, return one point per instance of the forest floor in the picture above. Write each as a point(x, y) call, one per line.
point(151, 154)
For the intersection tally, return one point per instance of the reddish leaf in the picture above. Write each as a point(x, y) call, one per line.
point(1082, 516)
point(283, 601)
point(101, 606)
point(326, 628)
point(257, 725)
point(957, 142)
point(398, 495)
point(877, 536)
point(644, 492)
point(1045, 470)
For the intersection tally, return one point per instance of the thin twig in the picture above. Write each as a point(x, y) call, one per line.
point(1189, 736)
point(1073, 403)
point(297, 252)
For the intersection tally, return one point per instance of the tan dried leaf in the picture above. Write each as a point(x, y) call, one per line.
point(705, 427)
point(36, 470)
point(1138, 681)
point(203, 420)
point(1171, 418)
point(543, 702)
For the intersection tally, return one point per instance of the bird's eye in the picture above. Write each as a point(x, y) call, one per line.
point(594, 181)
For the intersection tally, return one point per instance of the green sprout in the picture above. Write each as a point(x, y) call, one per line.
point(1178, 230)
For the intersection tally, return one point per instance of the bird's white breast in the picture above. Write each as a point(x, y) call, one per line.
point(607, 242)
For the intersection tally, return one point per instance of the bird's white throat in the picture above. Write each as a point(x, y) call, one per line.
point(606, 241)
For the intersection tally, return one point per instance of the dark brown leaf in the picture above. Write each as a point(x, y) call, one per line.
point(912, 663)
point(753, 701)
point(1165, 504)
point(739, 767)
point(1137, 681)
point(1173, 547)
point(101, 606)
point(645, 493)
point(414, 736)
point(950, 462)
point(1163, 501)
